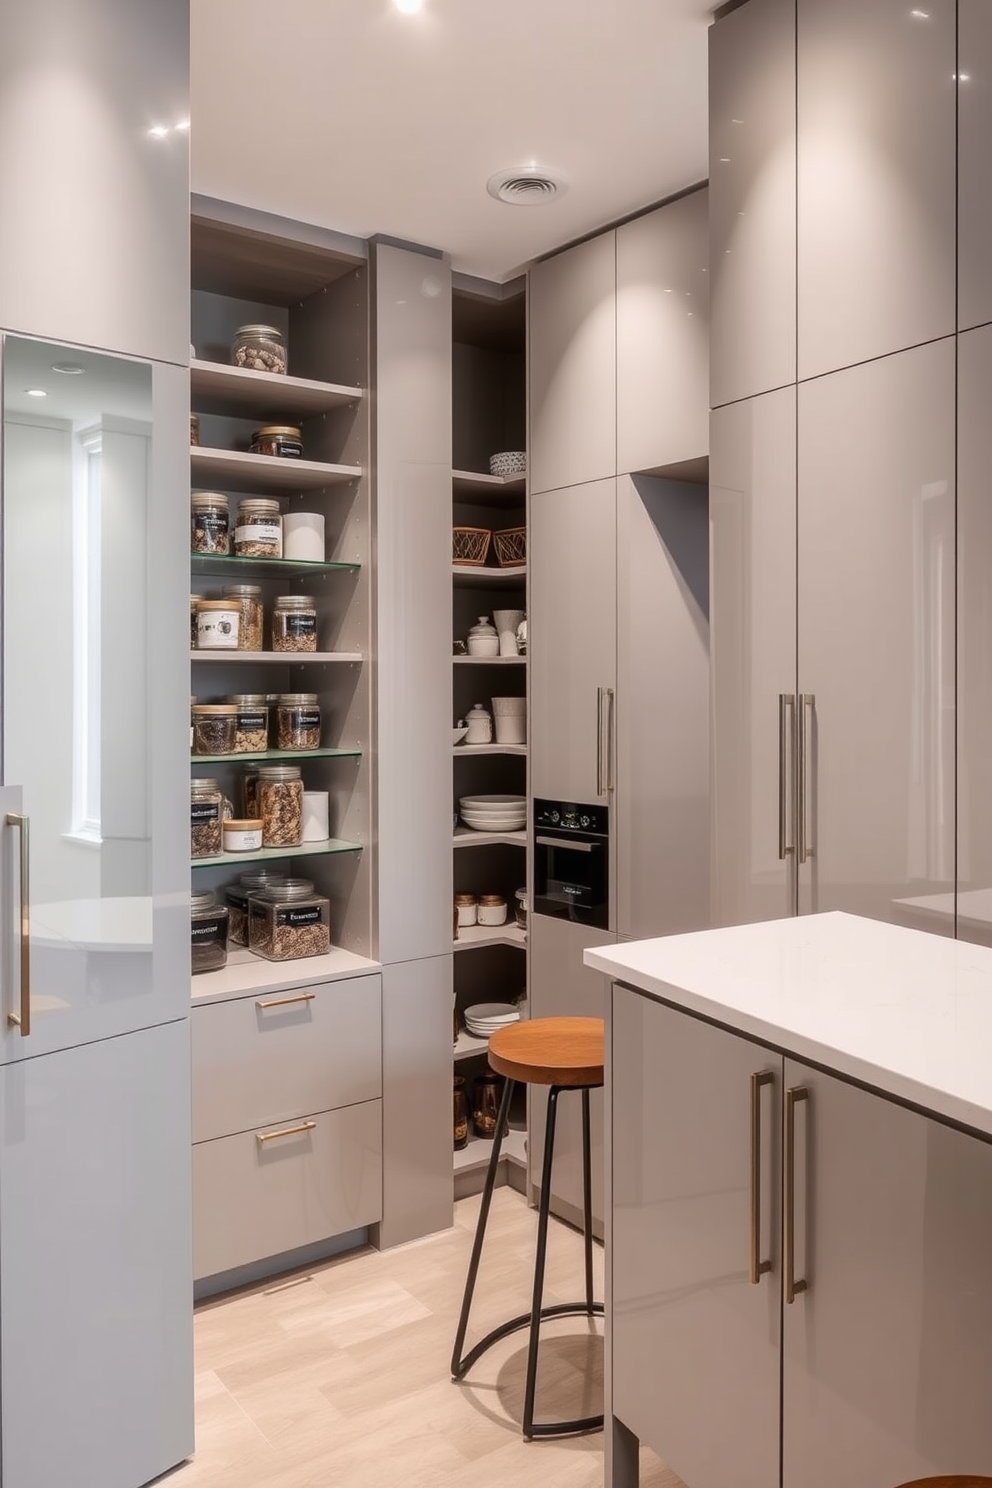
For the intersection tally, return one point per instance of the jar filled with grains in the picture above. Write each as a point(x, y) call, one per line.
point(282, 440)
point(280, 805)
point(194, 428)
point(218, 625)
point(194, 600)
point(208, 933)
point(258, 533)
point(210, 522)
point(236, 897)
point(249, 791)
point(248, 598)
point(294, 623)
point(289, 921)
point(251, 729)
point(298, 721)
point(206, 808)
point(259, 348)
point(214, 726)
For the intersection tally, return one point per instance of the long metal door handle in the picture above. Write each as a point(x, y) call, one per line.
point(807, 701)
point(599, 742)
point(791, 1287)
point(271, 1002)
point(587, 847)
point(285, 1131)
point(756, 1266)
point(611, 712)
point(786, 705)
point(22, 1019)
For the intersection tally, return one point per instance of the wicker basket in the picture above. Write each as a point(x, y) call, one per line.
point(470, 546)
point(511, 547)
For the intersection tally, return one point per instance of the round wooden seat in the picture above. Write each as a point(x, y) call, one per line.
point(550, 1051)
point(951, 1482)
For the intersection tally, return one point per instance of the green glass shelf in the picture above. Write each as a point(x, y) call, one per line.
point(273, 854)
point(262, 568)
point(275, 754)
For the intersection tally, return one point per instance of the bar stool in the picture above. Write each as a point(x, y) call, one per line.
point(564, 1054)
point(952, 1482)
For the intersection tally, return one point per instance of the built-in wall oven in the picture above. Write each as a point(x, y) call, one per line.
point(572, 862)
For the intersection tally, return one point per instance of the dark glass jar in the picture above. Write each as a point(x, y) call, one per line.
point(460, 1114)
point(283, 440)
point(236, 897)
point(208, 933)
point(487, 1092)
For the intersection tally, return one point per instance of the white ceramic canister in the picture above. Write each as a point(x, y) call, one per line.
point(467, 909)
point(316, 818)
point(243, 834)
point(303, 536)
point(218, 623)
point(510, 714)
point(492, 909)
point(483, 639)
point(480, 725)
point(507, 623)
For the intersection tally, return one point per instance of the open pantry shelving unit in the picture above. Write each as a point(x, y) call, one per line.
point(489, 414)
point(318, 298)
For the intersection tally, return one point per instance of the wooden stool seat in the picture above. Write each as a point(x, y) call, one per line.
point(550, 1051)
point(951, 1482)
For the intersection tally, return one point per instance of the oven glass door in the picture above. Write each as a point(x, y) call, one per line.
point(571, 878)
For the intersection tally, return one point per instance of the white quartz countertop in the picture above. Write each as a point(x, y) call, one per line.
point(903, 1011)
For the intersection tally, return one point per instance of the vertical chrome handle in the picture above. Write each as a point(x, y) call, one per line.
point(790, 1286)
point(611, 713)
point(599, 742)
point(786, 704)
point(807, 700)
point(22, 1019)
point(756, 1266)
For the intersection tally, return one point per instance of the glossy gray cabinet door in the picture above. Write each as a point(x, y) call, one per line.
point(753, 656)
point(876, 170)
point(572, 332)
point(893, 1212)
point(876, 633)
point(974, 163)
point(752, 200)
point(572, 640)
point(662, 801)
point(662, 394)
point(695, 1344)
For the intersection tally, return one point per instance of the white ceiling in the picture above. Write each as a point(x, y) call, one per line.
point(349, 115)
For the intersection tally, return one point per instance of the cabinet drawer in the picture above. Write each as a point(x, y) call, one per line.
point(267, 1059)
point(254, 1198)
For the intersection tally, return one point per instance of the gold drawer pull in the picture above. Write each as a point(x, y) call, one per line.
point(271, 1002)
point(286, 1131)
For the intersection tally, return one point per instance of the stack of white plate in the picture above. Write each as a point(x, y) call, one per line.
point(487, 1018)
point(494, 813)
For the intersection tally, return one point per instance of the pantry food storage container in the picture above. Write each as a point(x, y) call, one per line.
point(294, 623)
point(298, 721)
point(194, 428)
point(280, 805)
point(283, 440)
point(214, 726)
point(206, 807)
point(258, 532)
point(251, 725)
point(242, 834)
point(248, 598)
point(209, 522)
point(260, 348)
point(289, 921)
point(218, 625)
point(236, 898)
point(208, 933)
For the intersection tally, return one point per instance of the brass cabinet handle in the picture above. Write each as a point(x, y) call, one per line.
point(22, 1019)
point(271, 1002)
point(756, 1266)
point(807, 700)
point(791, 1287)
point(786, 704)
point(285, 1131)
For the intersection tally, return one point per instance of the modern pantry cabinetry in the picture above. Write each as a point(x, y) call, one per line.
point(974, 165)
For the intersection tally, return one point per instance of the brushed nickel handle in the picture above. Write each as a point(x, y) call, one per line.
point(271, 1002)
point(807, 700)
point(285, 1131)
point(791, 1287)
point(756, 1266)
point(599, 742)
point(22, 1019)
point(611, 713)
point(786, 704)
point(564, 842)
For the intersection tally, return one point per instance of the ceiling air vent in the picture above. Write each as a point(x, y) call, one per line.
point(526, 186)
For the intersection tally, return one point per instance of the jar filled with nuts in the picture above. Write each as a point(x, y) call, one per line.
point(298, 721)
point(294, 623)
point(258, 533)
point(208, 933)
point(289, 921)
point(248, 597)
point(280, 805)
point(260, 348)
point(282, 440)
point(206, 808)
point(194, 600)
point(251, 728)
point(209, 522)
point(214, 726)
point(194, 428)
point(236, 898)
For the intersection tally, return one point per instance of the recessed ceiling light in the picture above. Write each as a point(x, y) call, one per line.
point(68, 369)
point(36, 392)
point(408, 7)
point(526, 186)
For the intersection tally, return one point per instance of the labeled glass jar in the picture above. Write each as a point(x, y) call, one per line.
point(280, 805)
point(194, 600)
point(251, 727)
point(236, 897)
point(248, 598)
point(194, 428)
point(249, 790)
point(206, 812)
point(289, 921)
point(492, 909)
point(208, 933)
point(242, 834)
point(218, 625)
point(298, 721)
point(210, 522)
point(282, 440)
point(258, 533)
point(294, 623)
point(214, 726)
point(260, 348)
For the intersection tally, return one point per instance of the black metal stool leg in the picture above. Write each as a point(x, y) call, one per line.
point(458, 1364)
point(587, 1196)
point(539, 1262)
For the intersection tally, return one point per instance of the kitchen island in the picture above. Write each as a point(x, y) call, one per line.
point(799, 1269)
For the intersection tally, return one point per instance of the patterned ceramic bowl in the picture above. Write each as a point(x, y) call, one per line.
point(509, 462)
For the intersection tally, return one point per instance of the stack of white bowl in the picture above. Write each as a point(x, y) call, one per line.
point(493, 813)
point(487, 1018)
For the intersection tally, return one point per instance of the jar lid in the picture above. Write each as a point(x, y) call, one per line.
point(195, 598)
point(521, 894)
point(241, 591)
point(297, 699)
point(208, 498)
point(492, 899)
point(465, 899)
point(294, 602)
point(214, 710)
point(287, 893)
point(194, 418)
point(248, 699)
point(477, 711)
point(289, 429)
point(260, 876)
point(203, 784)
point(243, 824)
point(279, 772)
point(259, 504)
point(217, 604)
point(201, 898)
point(260, 330)
point(483, 627)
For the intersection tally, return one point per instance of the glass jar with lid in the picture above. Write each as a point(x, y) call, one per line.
point(194, 600)
point(283, 440)
point(194, 429)
point(248, 598)
point(280, 805)
point(289, 921)
point(208, 933)
point(298, 721)
point(210, 522)
point(206, 812)
point(260, 348)
point(214, 726)
point(258, 533)
point(218, 624)
point(251, 727)
point(294, 623)
point(236, 898)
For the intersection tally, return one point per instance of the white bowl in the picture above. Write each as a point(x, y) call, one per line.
point(499, 804)
point(458, 734)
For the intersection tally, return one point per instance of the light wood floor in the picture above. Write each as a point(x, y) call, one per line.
point(339, 1374)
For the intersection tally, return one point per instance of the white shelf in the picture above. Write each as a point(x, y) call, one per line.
point(477, 489)
point(476, 749)
point(471, 936)
point(489, 660)
point(245, 974)
point(272, 854)
point(236, 470)
point(216, 388)
point(467, 837)
point(467, 1044)
point(286, 658)
point(475, 1157)
point(489, 578)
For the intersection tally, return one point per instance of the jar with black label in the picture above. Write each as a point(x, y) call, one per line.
point(206, 807)
point(288, 922)
point(208, 933)
point(280, 805)
point(294, 623)
point(283, 440)
point(298, 721)
point(251, 728)
point(248, 598)
point(260, 348)
point(210, 522)
point(214, 728)
point(236, 896)
point(258, 533)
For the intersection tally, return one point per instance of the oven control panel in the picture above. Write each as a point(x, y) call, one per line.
point(570, 816)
